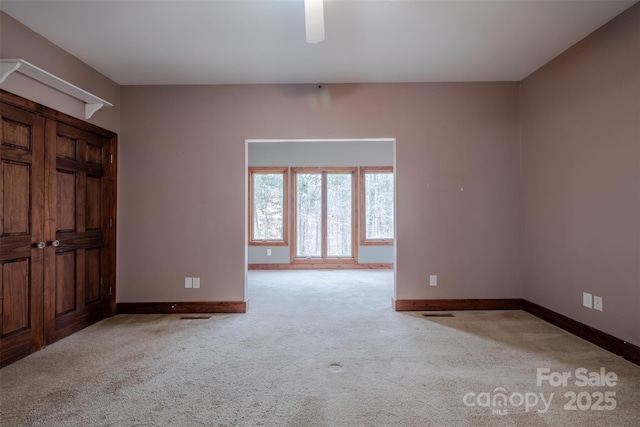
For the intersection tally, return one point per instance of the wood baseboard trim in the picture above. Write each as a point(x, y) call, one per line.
point(457, 304)
point(321, 266)
point(182, 307)
point(615, 345)
point(608, 342)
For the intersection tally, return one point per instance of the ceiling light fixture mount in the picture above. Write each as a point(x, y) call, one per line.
point(314, 20)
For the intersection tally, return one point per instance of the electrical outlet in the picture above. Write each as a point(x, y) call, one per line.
point(188, 282)
point(196, 282)
point(433, 280)
point(268, 252)
point(597, 303)
point(587, 300)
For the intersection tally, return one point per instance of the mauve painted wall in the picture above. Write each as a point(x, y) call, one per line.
point(182, 182)
point(581, 179)
point(576, 226)
point(18, 41)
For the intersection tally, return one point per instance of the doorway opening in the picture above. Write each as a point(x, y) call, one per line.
point(319, 219)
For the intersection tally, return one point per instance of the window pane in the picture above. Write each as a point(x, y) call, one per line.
point(308, 215)
point(339, 215)
point(268, 202)
point(378, 205)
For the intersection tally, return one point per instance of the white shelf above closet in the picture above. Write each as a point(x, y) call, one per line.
point(91, 102)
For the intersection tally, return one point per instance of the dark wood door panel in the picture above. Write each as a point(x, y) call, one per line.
point(15, 347)
point(76, 133)
point(90, 314)
point(57, 188)
point(66, 147)
point(93, 275)
point(73, 166)
point(14, 247)
point(15, 154)
point(93, 200)
point(18, 127)
point(89, 295)
point(16, 287)
point(94, 154)
point(65, 284)
point(21, 206)
point(16, 198)
point(79, 240)
point(77, 297)
point(66, 201)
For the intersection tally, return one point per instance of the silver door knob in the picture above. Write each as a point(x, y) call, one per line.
point(41, 245)
point(55, 243)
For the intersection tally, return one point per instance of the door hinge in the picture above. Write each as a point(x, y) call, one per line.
point(111, 158)
point(109, 290)
point(110, 223)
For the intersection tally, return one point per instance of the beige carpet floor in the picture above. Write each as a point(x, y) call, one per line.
point(319, 348)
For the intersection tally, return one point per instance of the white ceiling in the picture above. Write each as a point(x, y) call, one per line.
point(263, 41)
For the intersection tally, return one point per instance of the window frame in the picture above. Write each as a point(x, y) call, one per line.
point(324, 259)
point(363, 220)
point(284, 170)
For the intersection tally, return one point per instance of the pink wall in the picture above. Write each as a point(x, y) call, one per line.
point(581, 179)
point(550, 170)
point(19, 42)
point(182, 195)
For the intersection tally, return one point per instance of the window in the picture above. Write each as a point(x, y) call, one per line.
point(376, 199)
point(268, 207)
point(324, 214)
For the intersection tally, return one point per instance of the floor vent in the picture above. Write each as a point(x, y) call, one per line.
point(196, 317)
point(437, 315)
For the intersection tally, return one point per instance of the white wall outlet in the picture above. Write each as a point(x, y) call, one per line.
point(268, 252)
point(597, 303)
point(433, 280)
point(196, 282)
point(188, 282)
point(587, 299)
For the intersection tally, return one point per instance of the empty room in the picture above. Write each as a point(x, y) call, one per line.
point(319, 213)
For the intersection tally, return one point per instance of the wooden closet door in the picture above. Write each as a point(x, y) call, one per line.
point(57, 241)
point(77, 203)
point(21, 230)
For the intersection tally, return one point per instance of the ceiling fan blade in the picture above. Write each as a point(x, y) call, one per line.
point(314, 20)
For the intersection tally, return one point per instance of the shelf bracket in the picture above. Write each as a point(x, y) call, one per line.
point(92, 102)
point(90, 109)
point(6, 68)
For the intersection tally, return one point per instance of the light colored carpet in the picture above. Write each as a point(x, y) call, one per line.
point(317, 348)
